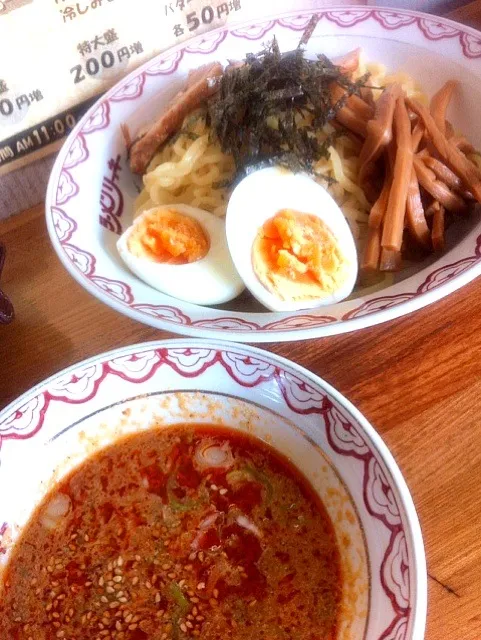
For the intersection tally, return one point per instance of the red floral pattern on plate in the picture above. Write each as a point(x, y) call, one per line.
point(166, 65)
point(343, 437)
point(348, 18)
point(296, 23)
point(300, 321)
point(379, 497)
point(163, 312)
point(114, 288)
point(437, 30)
point(131, 90)
point(227, 324)
point(67, 188)
point(378, 304)
point(26, 420)
point(77, 153)
point(63, 225)
point(255, 31)
point(395, 570)
point(246, 370)
point(98, 119)
point(393, 19)
point(137, 368)
point(208, 43)
point(83, 260)
point(300, 395)
point(79, 386)
point(471, 45)
point(190, 362)
point(397, 630)
point(443, 274)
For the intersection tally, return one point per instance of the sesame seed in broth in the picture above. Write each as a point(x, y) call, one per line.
point(186, 532)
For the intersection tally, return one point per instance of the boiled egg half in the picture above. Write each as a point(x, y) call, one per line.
point(182, 251)
point(289, 241)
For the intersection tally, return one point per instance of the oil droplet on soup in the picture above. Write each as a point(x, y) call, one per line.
point(177, 533)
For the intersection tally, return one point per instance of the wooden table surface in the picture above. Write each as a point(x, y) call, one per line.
point(416, 379)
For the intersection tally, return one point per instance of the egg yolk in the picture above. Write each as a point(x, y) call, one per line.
point(165, 235)
point(296, 256)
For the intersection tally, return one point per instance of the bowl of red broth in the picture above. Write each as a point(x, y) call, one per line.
point(190, 489)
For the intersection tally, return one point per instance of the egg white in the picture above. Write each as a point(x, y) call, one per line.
point(211, 280)
point(259, 197)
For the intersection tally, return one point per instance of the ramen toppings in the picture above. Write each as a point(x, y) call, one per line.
point(296, 255)
point(174, 534)
point(168, 236)
point(396, 167)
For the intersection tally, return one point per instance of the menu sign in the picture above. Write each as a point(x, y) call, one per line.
point(58, 56)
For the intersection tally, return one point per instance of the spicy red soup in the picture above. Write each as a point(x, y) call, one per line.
point(185, 532)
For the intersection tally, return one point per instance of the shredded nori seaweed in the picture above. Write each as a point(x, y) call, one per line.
point(254, 112)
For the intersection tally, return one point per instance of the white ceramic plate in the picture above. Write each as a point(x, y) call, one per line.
point(91, 190)
point(53, 427)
